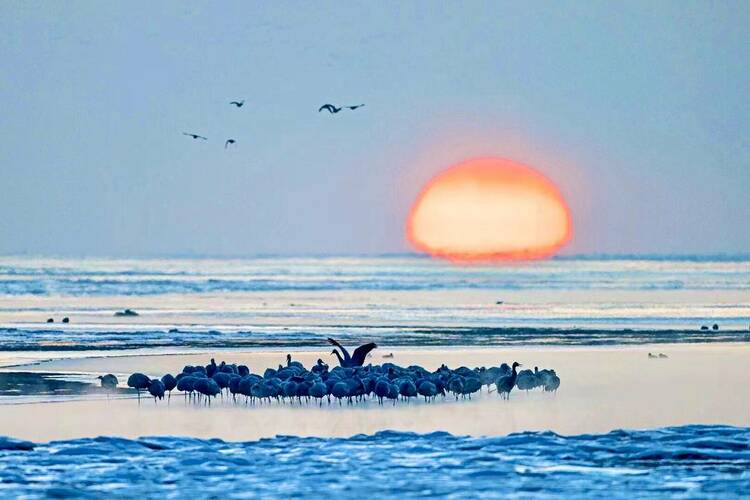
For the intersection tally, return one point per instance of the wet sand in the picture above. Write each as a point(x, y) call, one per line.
point(602, 389)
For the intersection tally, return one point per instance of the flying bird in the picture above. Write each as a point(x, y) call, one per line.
point(354, 107)
point(195, 136)
point(330, 108)
point(229, 141)
point(239, 104)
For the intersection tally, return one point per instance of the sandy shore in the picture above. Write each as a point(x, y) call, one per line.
point(602, 389)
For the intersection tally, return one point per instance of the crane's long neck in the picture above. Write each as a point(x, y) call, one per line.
point(341, 361)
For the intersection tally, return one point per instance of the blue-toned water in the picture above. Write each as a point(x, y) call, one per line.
point(396, 300)
point(685, 462)
point(46, 276)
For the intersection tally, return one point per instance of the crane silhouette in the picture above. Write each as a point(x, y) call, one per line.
point(195, 136)
point(356, 359)
point(330, 108)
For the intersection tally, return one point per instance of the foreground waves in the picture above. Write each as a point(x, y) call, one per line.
point(688, 461)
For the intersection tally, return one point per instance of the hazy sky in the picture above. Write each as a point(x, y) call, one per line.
point(639, 111)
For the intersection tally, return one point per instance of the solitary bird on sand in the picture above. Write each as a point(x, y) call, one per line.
point(330, 108)
point(357, 359)
point(195, 136)
point(505, 384)
point(229, 141)
point(239, 104)
point(108, 381)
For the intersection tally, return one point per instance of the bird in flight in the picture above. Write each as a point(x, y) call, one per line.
point(354, 107)
point(330, 108)
point(239, 104)
point(195, 136)
point(229, 141)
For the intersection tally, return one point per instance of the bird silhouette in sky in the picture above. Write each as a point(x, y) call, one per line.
point(195, 136)
point(330, 108)
point(229, 141)
point(239, 104)
point(355, 106)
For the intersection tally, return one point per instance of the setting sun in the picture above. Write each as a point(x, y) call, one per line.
point(489, 209)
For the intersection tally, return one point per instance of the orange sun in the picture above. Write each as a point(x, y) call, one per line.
point(489, 209)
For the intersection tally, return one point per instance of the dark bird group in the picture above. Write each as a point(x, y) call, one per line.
point(238, 104)
point(547, 380)
point(228, 142)
point(64, 320)
point(661, 355)
point(334, 109)
point(349, 382)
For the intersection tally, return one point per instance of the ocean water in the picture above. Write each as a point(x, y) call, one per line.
point(46, 276)
point(396, 300)
point(684, 462)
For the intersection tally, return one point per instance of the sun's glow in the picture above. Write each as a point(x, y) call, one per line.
point(489, 209)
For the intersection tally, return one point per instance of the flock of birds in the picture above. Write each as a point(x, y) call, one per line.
point(351, 381)
point(332, 109)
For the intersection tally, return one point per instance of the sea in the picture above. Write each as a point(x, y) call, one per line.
point(404, 300)
point(270, 302)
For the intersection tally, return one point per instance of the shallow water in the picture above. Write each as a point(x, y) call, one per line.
point(26, 339)
point(689, 462)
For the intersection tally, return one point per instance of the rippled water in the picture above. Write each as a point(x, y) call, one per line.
point(689, 462)
point(43, 276)
point(275, 301)
point(107, 339)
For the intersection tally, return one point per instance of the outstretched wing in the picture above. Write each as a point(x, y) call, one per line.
point(328, 107)
point(355, 106)
point(343, 350)
point(360, 353)
point(195, 136)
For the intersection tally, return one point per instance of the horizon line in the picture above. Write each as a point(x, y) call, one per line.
point(712, 256)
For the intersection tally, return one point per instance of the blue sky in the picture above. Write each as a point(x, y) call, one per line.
point(637, 110)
